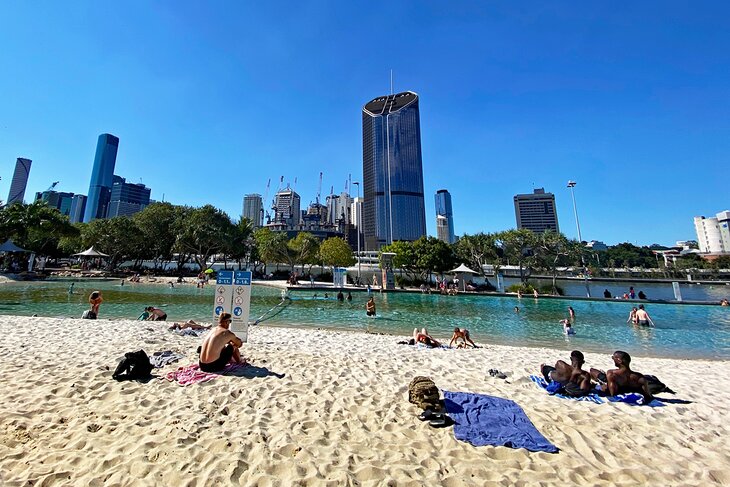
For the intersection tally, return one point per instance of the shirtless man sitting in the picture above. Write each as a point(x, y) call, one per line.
point(568, 374)
point(623, 379)
point(220, 347)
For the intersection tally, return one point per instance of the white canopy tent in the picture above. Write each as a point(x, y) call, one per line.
point(90, 252)
point(461, 273)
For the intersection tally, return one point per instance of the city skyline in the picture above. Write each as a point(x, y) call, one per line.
point(513, 97)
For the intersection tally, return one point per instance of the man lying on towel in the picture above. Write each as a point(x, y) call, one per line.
point(220, 347)
point(575, 380)
point(623, 380)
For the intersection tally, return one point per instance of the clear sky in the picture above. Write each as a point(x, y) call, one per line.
point(211, 99)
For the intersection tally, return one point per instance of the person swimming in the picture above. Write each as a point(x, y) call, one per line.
point(567, 327)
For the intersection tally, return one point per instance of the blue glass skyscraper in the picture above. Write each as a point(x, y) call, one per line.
point(444, 217)
point(394, 207)
point(102, 177)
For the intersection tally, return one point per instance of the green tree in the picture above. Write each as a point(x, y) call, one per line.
point(238, 246)
point(271, 247)
point(336, 252)
point(478, 250)
point(552, 249)
point(118, 237)
point(203, 233)
point(304, 249)
point(157, 224)
point(517, 246)
point(36, 227)
point(433, 255)
point(405, 258)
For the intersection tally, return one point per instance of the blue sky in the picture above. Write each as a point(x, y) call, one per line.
point(211, 99)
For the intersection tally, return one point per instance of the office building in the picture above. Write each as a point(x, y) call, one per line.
point(286, 207)
point(126, 199)
point(713, 233)
point(338, 208)
point(78, 206)
point(253, 209)
point(444, 217)
point(102, 177)
point(55, 199)
point(536, 211)
point(20, 180)
point(394, 207)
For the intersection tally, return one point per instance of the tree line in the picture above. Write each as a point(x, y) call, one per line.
point(164, 233)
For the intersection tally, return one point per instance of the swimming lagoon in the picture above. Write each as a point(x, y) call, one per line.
point(683, 331)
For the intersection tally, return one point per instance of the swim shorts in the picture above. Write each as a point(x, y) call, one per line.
point(220, 363)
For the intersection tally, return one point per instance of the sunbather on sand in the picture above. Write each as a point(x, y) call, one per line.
point(423, 337)
point(623, 380)
point(567, 374)
point(189, 324)
point(220, 347)
point(462, 333)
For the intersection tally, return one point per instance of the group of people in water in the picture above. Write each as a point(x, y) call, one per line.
point(576, 381)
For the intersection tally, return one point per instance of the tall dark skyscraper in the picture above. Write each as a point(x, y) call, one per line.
point(20, 181)
point(102, 177)
point(444, 217)
point(394, 207)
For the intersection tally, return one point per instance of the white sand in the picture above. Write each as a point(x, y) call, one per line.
point(339, 416)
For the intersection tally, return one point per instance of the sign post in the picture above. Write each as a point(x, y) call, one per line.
point(223, 293)
point(241, 303)
point(338, 277)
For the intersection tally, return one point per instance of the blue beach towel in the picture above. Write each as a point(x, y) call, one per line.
point(542, 383)
point(632, 398)
point(487, 420)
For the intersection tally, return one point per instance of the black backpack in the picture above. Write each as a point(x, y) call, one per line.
point(656, 386)
point(134, 366)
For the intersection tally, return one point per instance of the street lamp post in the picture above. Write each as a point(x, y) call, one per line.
point(358, 223)
point(571, 185)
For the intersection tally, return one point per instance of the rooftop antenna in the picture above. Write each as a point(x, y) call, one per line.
point(391, 81)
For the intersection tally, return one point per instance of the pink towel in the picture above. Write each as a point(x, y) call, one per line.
point(192, 374)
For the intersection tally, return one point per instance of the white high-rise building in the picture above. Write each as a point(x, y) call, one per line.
point(287, 207)
point(338, 208)
point(713, 233)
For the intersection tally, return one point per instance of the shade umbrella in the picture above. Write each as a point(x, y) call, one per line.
point(90, 252)
point(460, 272)
point(9, 246)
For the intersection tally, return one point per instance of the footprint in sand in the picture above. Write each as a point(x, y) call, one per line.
point(93, 428)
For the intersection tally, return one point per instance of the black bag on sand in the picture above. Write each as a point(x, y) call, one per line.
point(423, 393)
point(134, 366)
point(88, 315)
point(656, 386)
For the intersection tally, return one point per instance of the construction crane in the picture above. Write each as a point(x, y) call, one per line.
point(53, 185)
point(263, 202)
point(319, 188)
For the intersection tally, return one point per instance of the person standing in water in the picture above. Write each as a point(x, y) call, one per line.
point(571, 314)
point(95, 301)
point(370, 307)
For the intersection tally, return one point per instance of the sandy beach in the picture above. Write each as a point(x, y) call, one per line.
point(339, 416)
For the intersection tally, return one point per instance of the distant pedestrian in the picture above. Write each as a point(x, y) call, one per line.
point(632, 294)
point(370, 307)
point(535, 293)
point(349, 296)
point(642, 295)
point(517, 309)
point(95, 301)
point(340, 296)
point(607, 294)
point(571, 314)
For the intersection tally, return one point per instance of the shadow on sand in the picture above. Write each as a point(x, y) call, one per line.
point(251, 371)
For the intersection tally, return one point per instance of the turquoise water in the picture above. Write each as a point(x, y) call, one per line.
point(682, 330)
